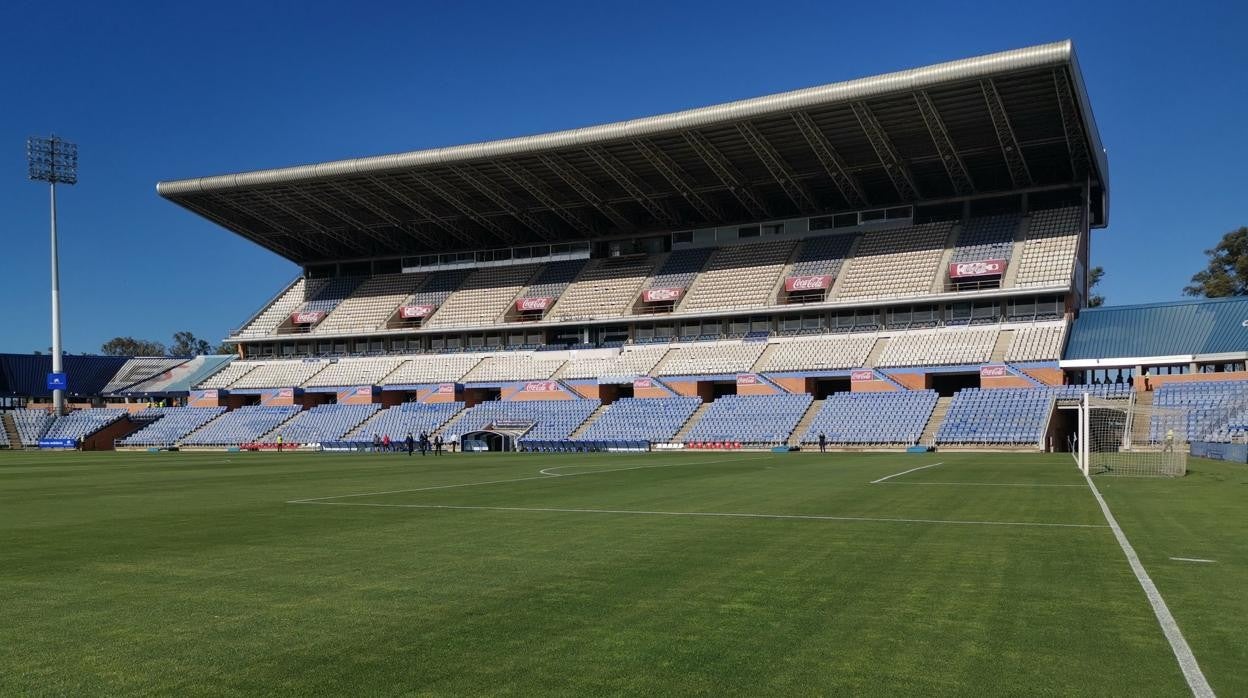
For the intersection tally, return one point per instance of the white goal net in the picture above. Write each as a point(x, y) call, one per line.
point(1123, 437)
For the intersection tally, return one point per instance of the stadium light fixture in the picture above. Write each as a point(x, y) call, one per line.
point(54, 161)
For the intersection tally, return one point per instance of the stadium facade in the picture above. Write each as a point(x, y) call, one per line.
point(888, 261)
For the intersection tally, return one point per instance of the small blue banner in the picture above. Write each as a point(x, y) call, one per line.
point(57, 381)
point(58, 443)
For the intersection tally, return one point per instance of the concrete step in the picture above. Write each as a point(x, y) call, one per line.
point(593, 417)
point(933, 423)
point(795, 439)
point(1004, 339)
point(693, 420)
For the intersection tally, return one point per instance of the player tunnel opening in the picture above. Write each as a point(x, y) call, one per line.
point(486, 440)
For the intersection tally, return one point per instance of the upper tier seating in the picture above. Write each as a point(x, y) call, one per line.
point(323, 423)
point(226, 376)
point(554, 279)
point(655, 420)
point(241, 426)
point(552, 419)
point(699, 359)
point(739, 276)
point(413, 418)
point(680, 268)
point(873, 418)
point(31, 425)
point(438, 286)
point(371, 304)
point(940, 347)
point(331, 294)
point(756, 420)
point(421, 370)
point(1048, 257)
point(822, 255)
point(630, 361)
point(1201, 410)
point(171, 425)
point(350, 372)
point(996, 416)
point(513, 367)
point(1037, 343)
point(847, 351)
point(606, 288)
point(896, 262)
point(139, 369)
point(281, 308)
point(280, 374)
point(987, 237)
point(483, 297)
point(77, 425)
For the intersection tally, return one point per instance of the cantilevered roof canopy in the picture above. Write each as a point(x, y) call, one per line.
point(1003, 122)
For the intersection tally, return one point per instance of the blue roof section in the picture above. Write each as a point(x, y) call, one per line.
point(1198, 326)
point(25, 375)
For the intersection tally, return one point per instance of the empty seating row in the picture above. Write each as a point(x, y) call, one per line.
point(756, 420)
point(1008, 416)
point(323, 423)
point(331, 294)
point(654, 420)
point(413, 418)
point(554, 279)
point(241, 426)
point(371, 303)
point(276, 374)
point(896, 262)
point(1048, 257)
point(483, 297)
point(170, 424)
point(739, 276)
point(1037, 343)
point(887, 418)
point(349, 372)
point(699, 359)
point(847, 351)
point(31, 425)
point(627, 362)
point(680, 268)
point(513, 367)
point(281, 308)
point(549, 419)
point(433, 369)
point(823, 255)
point(82, 423)
point(1201, 410)
point(940, 347)
point(606, 288)
point(985, 238)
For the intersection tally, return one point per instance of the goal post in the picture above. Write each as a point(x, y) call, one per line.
point(1126, 438)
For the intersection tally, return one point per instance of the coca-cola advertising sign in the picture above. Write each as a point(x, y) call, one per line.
point(446, 389)
point(816, 282)
point(862, 376)
point(642, 383)
point(747, 379)
point(285, 392)
point(309, 318)
point(408, 312)
point(527, 305)
point(992, 371)
point(662, 295)
point(541, 387)
point(985, 267)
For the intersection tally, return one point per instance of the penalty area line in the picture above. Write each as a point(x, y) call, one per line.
point(905, 472)
point(1191, 559)
point(709, 514)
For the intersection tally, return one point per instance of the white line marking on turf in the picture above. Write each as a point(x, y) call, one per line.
point(984, 484)
point(717, 514)
point(889, 477)
point(1192, 559)
point(517, 479)
point(1178, 644)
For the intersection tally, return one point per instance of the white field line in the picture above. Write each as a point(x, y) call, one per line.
point(714, 514)
point(1178, 644)
point(1192, 559)
point(518, 479)
point(904, 472)
point(983, 484)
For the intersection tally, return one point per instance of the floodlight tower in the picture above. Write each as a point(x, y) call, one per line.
point(54, 161)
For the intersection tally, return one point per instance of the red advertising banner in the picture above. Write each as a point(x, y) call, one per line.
point(408, 312)
point(285, 392)
point(541, 387)
point(446, 389)
point(993, 371)
point(642, 383)
point(817, 282)
point(308, 318)
point(985, 267)
point(862, 376)
point(747, 379)
point(661, 295)
point(526, 305)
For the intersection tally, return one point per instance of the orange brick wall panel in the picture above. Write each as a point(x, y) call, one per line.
point(1048, 376)
point(756, 389)
point(652, 392)
point(872, 387)
point(529, 395)
point(588, 391)
point(685, 388)
point(793, 385)
point(1005, 382)
point(912, 381)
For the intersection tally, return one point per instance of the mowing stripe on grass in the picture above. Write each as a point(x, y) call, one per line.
point(518, 479)
point(716, 514)
point(1178, 644)
point(889, 477)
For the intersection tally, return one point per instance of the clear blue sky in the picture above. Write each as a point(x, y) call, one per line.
point(156, 91)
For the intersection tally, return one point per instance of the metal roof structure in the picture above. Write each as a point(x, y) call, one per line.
point(1005, 122)
point(1180, 330)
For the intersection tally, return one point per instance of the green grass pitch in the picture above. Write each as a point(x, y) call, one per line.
point(665, 573)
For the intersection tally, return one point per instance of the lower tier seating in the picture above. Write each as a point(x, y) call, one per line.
point(413, 418)
point(31, 425)
point(1007, 416)
point(83, 423)
point(887, 418)
point(1201, 411)
point(243, 425)
point(755, 420)
point(323, 423)
point(655, 420)
point(552, 420)
point(171, 425)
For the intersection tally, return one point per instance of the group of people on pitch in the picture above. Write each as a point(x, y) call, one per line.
point(412, 444)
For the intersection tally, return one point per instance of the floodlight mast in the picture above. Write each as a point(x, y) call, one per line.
point(54, 161)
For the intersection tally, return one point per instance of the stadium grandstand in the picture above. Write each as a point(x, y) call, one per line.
point(888, 262)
